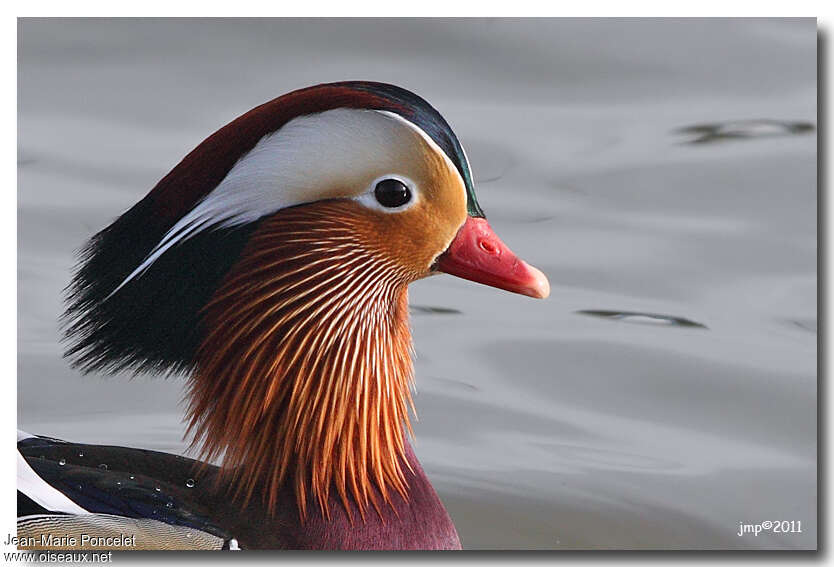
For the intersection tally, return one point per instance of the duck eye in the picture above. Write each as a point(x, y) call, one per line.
point(392, 193)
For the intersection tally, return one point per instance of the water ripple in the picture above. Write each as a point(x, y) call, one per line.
point(708, 133)
point(642, 318)
point(433, 310)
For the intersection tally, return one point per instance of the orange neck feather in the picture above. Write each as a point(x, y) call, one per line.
point(304, 373)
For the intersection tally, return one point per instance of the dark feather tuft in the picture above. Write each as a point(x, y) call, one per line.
point(150, 324)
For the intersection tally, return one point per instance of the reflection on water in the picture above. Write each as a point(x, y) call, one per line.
point(542, 424)
point(743, 130)
point(432, 310)
point(809, 325)
point(642, 318)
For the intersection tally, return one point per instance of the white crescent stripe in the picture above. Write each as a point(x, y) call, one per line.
point(41, 492)
point(21, 435)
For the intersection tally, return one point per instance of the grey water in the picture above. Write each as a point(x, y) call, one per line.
point(662, 173)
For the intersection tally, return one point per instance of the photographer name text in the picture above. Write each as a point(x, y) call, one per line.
point(71, 541)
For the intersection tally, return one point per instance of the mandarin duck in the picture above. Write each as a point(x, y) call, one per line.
point(271, 268)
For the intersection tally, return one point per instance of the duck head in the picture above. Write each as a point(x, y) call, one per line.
point(271, 265)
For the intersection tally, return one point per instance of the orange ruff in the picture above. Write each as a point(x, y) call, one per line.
point(304, 374)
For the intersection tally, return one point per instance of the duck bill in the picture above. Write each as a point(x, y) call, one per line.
point(478, 255)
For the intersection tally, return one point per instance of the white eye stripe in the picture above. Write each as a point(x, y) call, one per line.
point(292, 165)
point(432, 144)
